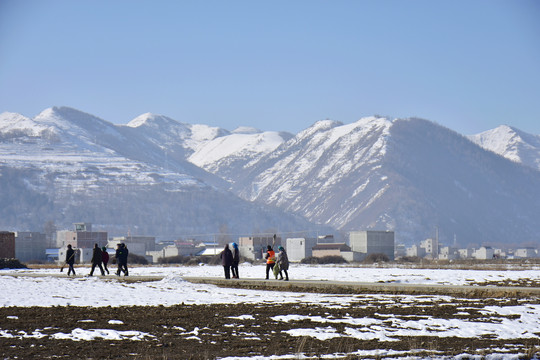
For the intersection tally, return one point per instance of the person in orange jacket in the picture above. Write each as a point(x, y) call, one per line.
point(270, 257)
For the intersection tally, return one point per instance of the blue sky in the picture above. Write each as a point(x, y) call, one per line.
point(276, 65)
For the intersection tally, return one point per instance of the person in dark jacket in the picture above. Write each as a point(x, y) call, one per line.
point(105, 258)
point(97, 259)
point(125, 254)
point(282, 260)
point(235, 261)
point(121, 259)
point(70, 259)
point(118, 259)
point(226, 260)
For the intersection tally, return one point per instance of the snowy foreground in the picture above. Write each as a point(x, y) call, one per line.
point(513, 322)
point(172, 290)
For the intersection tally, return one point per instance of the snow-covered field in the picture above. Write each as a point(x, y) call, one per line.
point(517, 321)
point(52, 291)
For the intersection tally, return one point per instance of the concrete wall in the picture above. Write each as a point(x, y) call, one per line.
point(7, 244)
point(484, 253)
point(148, 241)
point(300, 248)
point(81, 239)
point(30, 246)
point(373, 242)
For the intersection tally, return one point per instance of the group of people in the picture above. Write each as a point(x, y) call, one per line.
point(278, 264)
point(230, 260)
point(100, 259)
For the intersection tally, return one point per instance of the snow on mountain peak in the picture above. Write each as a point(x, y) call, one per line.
point(152, 120)
point(246, 130)
point(140, 120)
point(502, 140)
point(511, 143)
point(235, 145)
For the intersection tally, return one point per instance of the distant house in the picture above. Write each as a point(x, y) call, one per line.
point(83, 238)
point(178, 248)
point(448, 253)
point(373, 242)
point(7, 244)
point(30, 246)
point(138, 245)
point(253, 247)
point(525, 253)
point(300, 248)
point(465, 253)
point(330, 249)
point(211, 249)
point(432, 247)
point(484, 253)
point(416, 251)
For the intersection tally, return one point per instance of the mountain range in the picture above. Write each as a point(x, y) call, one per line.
point(158, 176)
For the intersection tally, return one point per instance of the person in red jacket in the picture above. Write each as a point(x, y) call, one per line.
point(105, 258)
point(270, 257)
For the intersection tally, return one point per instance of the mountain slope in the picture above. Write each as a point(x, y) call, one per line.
point(68, 166)
point(410, 176)
point(227, 155)
point(511, 143)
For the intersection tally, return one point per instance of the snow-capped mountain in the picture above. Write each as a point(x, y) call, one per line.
point(159, 176)
point(228, 155)
point(213, 149)
point(411, 176)
point(511, 143)
point(68, 166)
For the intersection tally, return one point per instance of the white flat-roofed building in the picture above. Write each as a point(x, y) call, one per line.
point(373, 242)
point(300, 248)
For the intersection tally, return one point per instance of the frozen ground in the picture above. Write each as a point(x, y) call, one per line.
point(516, 321)
point(51, 291)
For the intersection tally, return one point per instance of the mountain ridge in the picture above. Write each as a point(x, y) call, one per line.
point(408, 175)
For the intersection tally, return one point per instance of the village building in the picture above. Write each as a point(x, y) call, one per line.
point(416, 251)
point(254, 247)
point(525, 253)
point(465, 253)
point(177, 248)
point(484, 253)
point(82, 238)
point(211, 249)
point(373, 242)
point(30, 246)
point(7, 244)
point(300, 248)
point(448, 253)
point(432, 247)
point(138, 245)
point(331, 249)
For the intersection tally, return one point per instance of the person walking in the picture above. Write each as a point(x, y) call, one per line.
point(70, 259)
point(105, 258)
point(97, 259)
point(119, 259)
point(226, 260)
point(270, 257)
point(235, 261)
point(121, 256)
point(282, 260)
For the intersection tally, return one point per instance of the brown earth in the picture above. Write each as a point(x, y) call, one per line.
point(209, 332)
